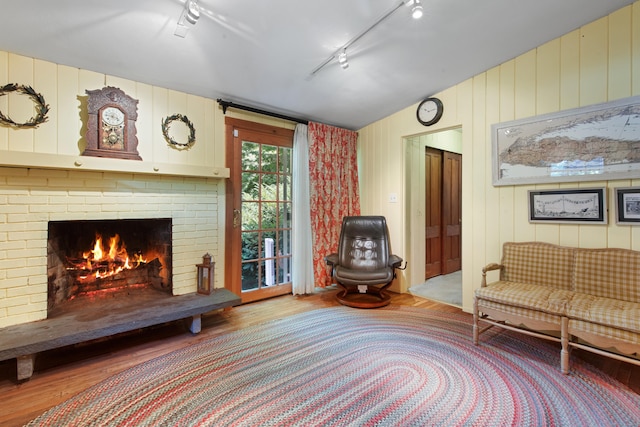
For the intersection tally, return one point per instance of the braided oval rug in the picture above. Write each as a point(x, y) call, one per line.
point(341, 366)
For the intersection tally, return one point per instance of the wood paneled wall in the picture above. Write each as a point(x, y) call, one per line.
point(64, 132)
point(596, 63)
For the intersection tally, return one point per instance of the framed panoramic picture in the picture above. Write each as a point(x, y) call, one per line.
point(594, 143)
point(628, 205)
point(577, 206)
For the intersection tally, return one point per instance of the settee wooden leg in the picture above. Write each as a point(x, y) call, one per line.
point(564, 340)
point(476, 333)
point(25, 366)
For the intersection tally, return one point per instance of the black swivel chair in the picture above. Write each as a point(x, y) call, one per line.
point(364, 267)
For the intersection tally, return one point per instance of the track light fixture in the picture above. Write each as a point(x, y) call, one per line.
point(416, 10)
point(341, 54)
point(342, 60)
point(190, 15)
point(193, 11)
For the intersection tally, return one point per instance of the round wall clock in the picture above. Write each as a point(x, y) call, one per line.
point(430, 111)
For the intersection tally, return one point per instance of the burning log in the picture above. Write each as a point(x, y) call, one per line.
point(101, 261)
point(81, 267)
point(144, 274)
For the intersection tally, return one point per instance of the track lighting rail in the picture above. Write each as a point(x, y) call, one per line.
point(343, 48)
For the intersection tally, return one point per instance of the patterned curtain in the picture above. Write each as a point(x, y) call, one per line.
point(333, 188)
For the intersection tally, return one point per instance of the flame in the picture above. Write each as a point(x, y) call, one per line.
point(109, 261)
point(97, 251)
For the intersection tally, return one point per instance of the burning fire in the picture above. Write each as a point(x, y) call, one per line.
point(101, 261)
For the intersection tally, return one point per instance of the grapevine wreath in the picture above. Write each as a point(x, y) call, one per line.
point(41, 106)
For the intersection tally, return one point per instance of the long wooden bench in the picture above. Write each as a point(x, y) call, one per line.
point(91, 321)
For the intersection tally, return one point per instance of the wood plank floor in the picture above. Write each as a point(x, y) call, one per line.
point(62, 373)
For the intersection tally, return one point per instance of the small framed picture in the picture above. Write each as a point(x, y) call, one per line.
point(578, 206)
point(628, 205)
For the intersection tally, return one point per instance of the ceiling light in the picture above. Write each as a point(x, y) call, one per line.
point(193, 11)
point(416, 10)
point(342, 60)
point(189, 16)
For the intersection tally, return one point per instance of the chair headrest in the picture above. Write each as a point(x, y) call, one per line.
point(371, 227)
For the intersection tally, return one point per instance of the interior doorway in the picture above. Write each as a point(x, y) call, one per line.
point(449, 226)
point(443, 212)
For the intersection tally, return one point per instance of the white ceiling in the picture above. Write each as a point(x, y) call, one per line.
point(262, 53)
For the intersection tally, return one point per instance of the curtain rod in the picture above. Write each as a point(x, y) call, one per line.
point(227, 104)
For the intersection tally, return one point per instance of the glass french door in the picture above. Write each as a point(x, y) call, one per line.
point(261, 212)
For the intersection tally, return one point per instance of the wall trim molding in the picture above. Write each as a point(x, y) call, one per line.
point(101, 164)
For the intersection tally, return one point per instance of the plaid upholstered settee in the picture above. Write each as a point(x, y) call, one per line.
point(585, 298)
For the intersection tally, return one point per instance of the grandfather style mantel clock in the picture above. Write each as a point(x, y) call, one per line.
point(111, 129)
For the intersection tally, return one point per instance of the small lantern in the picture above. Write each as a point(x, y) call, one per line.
point(205, 275)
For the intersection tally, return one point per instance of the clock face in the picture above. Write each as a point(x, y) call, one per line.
point(112, 133)
point(112, 116)
point(430, 111)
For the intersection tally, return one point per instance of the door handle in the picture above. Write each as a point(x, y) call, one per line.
point(236, 218)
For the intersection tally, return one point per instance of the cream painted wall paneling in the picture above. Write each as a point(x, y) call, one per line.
point(64, 89)
point(596, 63)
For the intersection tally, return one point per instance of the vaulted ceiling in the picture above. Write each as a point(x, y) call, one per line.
point(263, 53)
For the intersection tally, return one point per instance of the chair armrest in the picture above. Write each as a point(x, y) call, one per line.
point(395, 261)
point(492, 266)
point(331, 259)
point(489, 267)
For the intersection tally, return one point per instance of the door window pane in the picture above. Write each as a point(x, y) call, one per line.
point(284, 270)
point(284, 242)
point(250, 246)
point(251, 275)
point(250, 215)
point(284, 160)
point(250, 187)
point(284, 187)
point(269, 218)
point(268, 244)
point(269, 158)
point(269, 187)
point(285, 215)
point(250, 156)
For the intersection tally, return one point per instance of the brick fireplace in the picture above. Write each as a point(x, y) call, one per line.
point(30, 199)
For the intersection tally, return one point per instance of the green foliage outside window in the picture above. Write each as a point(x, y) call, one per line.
point(266, 184)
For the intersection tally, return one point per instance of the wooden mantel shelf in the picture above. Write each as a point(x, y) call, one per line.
point(101, 164)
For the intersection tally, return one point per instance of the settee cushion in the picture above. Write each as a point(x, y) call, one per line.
point(617, 337)
point(526, 295)
point(609, 273)
point(538, 263)
point(605, 311)
point(523, 313)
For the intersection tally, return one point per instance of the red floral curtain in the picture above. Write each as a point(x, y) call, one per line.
point(333, 187)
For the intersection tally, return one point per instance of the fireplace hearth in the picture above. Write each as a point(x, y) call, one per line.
point(89, 260)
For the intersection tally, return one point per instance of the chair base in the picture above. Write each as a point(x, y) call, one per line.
point(374, 297)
